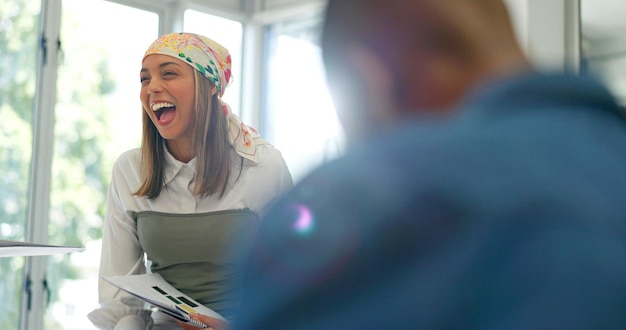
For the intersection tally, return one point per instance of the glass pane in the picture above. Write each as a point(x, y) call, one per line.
point(603, 42)
point(97, 117)
point(299, 117)
point(227, 33)
point(19, 26)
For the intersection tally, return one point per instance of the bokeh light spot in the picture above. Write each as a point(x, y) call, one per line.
point(304, 222)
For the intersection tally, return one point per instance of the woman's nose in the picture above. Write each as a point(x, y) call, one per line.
point(155, 85)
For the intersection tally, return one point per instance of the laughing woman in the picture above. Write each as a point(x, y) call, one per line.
point(189, 197)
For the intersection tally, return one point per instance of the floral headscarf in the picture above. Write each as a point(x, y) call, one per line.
point(203, 54)
point(213, 61)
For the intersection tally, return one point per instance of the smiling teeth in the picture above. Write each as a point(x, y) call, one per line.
point(158, 106)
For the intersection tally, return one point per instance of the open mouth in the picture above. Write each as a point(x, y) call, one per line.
point(164, 112)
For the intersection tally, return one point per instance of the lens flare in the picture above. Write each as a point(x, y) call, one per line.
point(304, 222)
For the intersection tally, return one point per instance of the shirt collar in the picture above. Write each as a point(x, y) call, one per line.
point(173, 166)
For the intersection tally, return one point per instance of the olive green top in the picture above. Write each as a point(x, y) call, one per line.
point(201, 254)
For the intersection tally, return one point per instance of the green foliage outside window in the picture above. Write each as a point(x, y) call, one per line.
point(18, 58)
point(81, 164)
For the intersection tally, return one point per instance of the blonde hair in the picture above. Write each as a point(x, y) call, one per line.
point(211, 146)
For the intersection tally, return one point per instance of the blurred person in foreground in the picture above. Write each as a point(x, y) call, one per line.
point(476, 192)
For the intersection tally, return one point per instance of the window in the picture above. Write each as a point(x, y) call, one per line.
point(97, 117)
point(227, 33)
point(299, 117)
point(19, 23)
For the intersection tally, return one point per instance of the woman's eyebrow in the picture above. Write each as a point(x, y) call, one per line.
point(164, 64)
point(161, 66)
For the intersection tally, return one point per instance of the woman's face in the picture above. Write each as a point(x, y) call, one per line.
point(167, 95)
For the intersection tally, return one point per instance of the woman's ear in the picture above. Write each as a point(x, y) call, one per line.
point(377, 80)
point(362, 88)
point(213, 90)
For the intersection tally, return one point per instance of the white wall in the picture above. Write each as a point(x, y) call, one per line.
point(548, 31)
point(519, 12)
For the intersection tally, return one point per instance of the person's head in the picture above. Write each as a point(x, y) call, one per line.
point(183, 77)
point(389, 59)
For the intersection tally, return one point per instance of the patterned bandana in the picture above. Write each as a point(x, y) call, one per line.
point(213, 61)
point(203, 54)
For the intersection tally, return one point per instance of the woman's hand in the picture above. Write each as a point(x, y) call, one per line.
point(213, 323)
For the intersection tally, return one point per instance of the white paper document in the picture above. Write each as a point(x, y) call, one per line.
point(153, 289)
point(17, 249)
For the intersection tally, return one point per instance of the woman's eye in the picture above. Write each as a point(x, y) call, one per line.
point(143, 79)
point(169, 73)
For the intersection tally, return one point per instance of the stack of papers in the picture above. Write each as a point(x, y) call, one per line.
point(153, 289)
point(17, 249)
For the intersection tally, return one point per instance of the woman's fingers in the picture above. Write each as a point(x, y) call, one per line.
point(214, 323)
